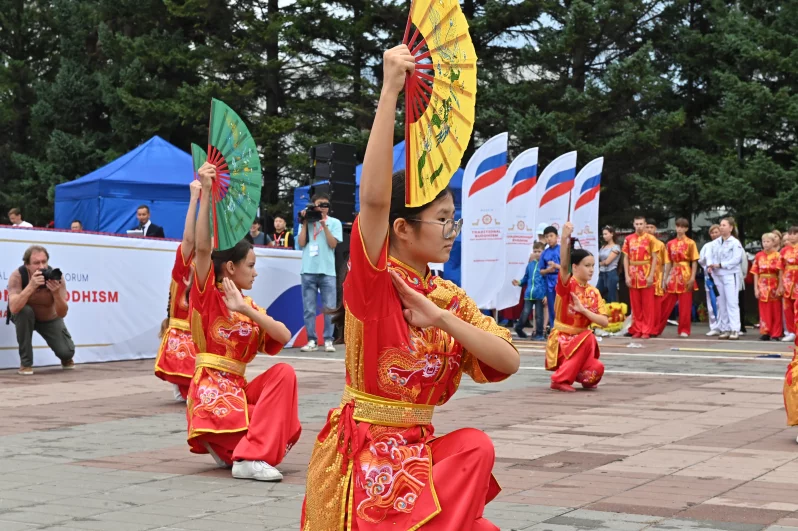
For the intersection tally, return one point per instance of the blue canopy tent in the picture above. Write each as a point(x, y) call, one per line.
point(156, 174)
point(452, 267)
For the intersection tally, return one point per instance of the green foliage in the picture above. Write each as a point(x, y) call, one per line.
point(692, 103)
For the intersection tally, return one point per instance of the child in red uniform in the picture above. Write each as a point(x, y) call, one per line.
point(572, 350)
point(681, 264)
point(789, 259)
point(767, 287)
point(410, 337)
point(249, 425)
point(176, 355)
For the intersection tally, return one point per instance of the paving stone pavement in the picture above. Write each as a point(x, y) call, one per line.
point(672, 440)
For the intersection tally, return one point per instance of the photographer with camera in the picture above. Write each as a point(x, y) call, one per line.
point(319, 234)
point(37, 302)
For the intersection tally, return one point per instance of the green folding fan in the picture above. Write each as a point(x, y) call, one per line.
point(236, 190)
point(199, 156)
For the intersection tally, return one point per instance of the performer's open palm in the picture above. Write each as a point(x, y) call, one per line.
point(418, 310)
point(576, 305)
point(232, 296)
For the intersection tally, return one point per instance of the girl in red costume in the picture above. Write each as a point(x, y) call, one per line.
point(176, 355)
point(410, 337)
point(572, 350)
point(249, 425)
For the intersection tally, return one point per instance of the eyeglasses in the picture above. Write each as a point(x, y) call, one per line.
point(323, 205)
point(451, 228)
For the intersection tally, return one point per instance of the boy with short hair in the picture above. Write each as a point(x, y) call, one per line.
point(534, 295)
point(551, 262)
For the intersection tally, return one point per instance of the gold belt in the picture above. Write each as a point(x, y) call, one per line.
point(791, 268)
point(180, 324)
point(638, 263)
point(768, 275)
point(220, 363)
point(683, 262)
point(568, 329)
point(384, 411)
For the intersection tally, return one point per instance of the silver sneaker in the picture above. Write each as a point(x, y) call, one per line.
point(310, 347)
point(724, 335)
point(258, 470)
point(328, 346)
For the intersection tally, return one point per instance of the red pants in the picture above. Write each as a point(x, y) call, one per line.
point(184, 389)
point(770, 319)
point(685, 311)
point(789, 314)
point(461, 472)
point(583, 366)
point(644, 311)
point(273, 420)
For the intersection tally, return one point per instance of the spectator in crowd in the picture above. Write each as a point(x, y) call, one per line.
point(76, 226)
point(609, 256)
point(15, 216)
point(709, 284)
point(534, 294)
point(540, 235)
point(256, 236)
point(779, 238)
point(150, 229)
point(318, 240)
point(725, 267)
point(551, 262)
point(282, 237)
point(37, 303)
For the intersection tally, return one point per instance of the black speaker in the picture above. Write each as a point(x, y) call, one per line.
point(334, 165)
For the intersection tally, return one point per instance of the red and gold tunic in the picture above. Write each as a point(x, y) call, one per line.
point(660, 252)
point(767, 266)
point(681, 254)
point(640, 250)
point(571, 329)
point(177, 354)
point(789, 258)
point(371, 464)
point(226, 341)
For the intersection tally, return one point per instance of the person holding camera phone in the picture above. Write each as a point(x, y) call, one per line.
point(37, 302)
point(319, 234)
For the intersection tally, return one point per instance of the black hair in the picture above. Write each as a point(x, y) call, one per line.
point(577, 255)
point(318, 196)
point(145, 207)
point(398, 210)
point(650, 221)
point(235, 254)
point(551, 229)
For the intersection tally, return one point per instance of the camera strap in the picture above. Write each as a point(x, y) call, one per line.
point(23, 272)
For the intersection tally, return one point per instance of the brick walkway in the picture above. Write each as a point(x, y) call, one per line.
point(671, 440)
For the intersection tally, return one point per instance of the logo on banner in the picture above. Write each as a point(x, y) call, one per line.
point(524, 181)
point(559, 185)
point(590, 188)
point(489, 172)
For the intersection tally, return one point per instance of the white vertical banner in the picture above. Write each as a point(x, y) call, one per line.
point(554, 188)
point(485, 187)
point(521, 223)
point(585, 209)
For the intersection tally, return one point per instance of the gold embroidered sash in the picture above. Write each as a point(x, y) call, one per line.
point(180, 324)
point(639, 263)
point(791, 267)
point(768, 275)
point(568, 329)
point(384, 411)
point(220, 363)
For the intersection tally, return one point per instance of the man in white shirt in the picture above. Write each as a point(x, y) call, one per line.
point(15, 215)
point(725, 257)
point(148, 228)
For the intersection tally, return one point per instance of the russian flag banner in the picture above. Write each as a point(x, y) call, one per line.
point(554, 190)
point(520, 234)
point(585, 209)
point(486, 184)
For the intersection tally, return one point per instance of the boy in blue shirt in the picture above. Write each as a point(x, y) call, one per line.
point(551, 262)
point(535, 294)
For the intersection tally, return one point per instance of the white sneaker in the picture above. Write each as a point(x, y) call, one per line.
point(219, 461)
point(177, 395)
point(310, 347)
point(741, 333)
point(259, 470)
point(712, 333)
point(788, 338)
point(724, 335)
point(684, 334)
point(328, 346)
point(734, 335)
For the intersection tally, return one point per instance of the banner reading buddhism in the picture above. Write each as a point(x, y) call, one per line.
point(585, 209)
point(521, 224)
point(554, 188)
point(485, 187)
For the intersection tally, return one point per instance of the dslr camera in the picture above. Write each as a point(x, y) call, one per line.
point(312, 214)
point(51, 274)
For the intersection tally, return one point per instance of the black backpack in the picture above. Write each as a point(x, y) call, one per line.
point(23, 272)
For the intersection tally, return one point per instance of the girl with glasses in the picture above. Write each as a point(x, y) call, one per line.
point(409, 338)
